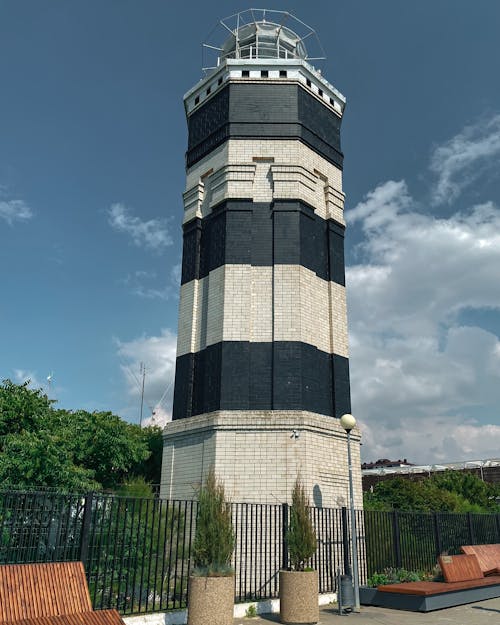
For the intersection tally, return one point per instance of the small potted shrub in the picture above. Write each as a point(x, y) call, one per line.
point(211, 584)
point(299, 586)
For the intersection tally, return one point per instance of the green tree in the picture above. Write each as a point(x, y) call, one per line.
point(452, 491)
point(102, 443)
point(150, 468)
point(33, 450)
point(408, 495)
point(480, 496)
point(301, 536)
point(39, 459)
point(22, 408)
point(69, 450)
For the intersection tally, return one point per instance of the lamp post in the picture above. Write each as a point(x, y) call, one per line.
point(348, 422)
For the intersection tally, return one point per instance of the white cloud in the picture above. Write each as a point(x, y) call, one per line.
point(152, 234)
point(412, 361)
point(464, 158)
point(148, 292)
point(14, 210)
point(433, 440)
point(140, 284)
point(22, 375)
point(175, 275)
point(158, 354)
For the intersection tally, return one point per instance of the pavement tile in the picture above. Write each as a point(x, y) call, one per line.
point(481, 613)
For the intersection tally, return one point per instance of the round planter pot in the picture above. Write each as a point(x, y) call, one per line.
point(299, 597)
point(210, 600)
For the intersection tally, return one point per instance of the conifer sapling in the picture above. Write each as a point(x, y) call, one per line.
point(214, 539)
point(301, 536)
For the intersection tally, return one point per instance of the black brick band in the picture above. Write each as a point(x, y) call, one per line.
point(239, 375)
point(260, 110)
point(263, 234)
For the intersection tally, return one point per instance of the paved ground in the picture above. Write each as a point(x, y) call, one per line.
point(481, 613)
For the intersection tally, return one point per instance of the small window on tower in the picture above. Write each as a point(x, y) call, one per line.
point(332, 101)
point(219, 82)
point(245, 73)
point(264, 73)
point(197, 100)
point(263, 159)
point(283, 73)
point(308, 82)
point(209, 90)
point(320, 93)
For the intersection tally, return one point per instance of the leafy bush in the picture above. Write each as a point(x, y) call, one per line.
point(214, 539)
point(378, 579)
point(397, 576)
point(301, 536)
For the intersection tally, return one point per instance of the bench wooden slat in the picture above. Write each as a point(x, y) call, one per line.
point(435, 588)
point(101, 617)
point(488, 557)
point(35, 591)
point(460, 568)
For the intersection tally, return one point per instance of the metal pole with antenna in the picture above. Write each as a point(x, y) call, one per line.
point(143, 371)
point(49, 381)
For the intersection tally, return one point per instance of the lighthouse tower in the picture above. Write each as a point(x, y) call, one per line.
point(262, 371)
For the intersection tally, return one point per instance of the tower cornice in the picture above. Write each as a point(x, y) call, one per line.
point(278, 70)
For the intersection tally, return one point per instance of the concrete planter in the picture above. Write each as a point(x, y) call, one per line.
point(367, 595)
point(210, 600)
point(299, 597)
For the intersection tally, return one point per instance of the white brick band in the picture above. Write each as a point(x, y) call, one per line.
point(262, 171)
point(262, 304)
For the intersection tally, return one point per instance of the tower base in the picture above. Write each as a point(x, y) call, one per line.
point(258, 455)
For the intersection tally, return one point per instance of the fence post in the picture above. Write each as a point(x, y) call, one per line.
point(345, 541)
point(471, 528)
point(85, 535)
point(284, 540)
point(437, 535)
point(396, 538)
point(498, 526)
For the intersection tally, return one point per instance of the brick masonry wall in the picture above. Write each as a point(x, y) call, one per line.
point(261, 170)
point(262, 234)
point(258, 456)
point(245, 303)
point(264, 109)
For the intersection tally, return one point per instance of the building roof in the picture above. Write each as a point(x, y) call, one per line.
point(431, 468)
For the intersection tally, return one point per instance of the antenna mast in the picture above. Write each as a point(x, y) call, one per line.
point(143, 372)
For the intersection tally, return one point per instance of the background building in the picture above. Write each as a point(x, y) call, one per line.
point(262, 370)
point(488, 470)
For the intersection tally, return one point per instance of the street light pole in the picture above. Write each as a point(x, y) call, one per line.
point(347, 421)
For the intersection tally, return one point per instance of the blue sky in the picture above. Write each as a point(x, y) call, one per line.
point(92, 140)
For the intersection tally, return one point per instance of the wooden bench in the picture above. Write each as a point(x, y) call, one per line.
point(49, 594)
point(488, 557)
point(464, 584)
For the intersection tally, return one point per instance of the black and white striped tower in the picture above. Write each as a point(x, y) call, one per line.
point(262, 372)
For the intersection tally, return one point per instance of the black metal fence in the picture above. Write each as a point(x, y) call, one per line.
point(414, 540)
point(137, 552)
